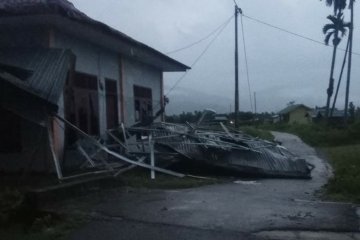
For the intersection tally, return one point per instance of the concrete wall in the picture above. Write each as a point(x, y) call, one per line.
point(300, 115)
point(135, 73)
point(92, 60)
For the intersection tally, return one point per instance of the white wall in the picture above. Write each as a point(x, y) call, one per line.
point(136, 73)
point(92, 60)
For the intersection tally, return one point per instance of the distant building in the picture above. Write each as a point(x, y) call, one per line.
point(221, 118)
point(296, 113)
point(319, 113)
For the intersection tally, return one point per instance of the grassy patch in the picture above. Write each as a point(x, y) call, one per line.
point(19, 220)
point(140, 178)
point(320, 135)
point(342, 147)
point(41, 230)
point(257, 132)
point(345, 185)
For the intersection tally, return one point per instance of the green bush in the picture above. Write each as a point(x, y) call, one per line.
point(10, 201)
point(256, 132)
point(346, 164)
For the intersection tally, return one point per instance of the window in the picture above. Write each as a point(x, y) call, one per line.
point(143, 103)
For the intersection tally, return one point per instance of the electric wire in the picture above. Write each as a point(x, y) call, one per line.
point(199, 57)
point(202, 39)
point(293, 33)
point(246, 62)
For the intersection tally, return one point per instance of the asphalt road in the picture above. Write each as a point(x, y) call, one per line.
point(244, 209)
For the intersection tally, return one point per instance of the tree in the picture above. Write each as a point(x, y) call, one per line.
point(352, 111)
point(332, 30)
point(338, 5)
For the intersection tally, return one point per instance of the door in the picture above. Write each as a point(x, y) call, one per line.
point(82, 104)
point(112, 111)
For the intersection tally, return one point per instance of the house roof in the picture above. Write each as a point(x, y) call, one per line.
point(321, 112)
point(67, 10)
point(41, 72)
point(291, 108)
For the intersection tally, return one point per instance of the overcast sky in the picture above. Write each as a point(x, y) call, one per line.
point(282, 67)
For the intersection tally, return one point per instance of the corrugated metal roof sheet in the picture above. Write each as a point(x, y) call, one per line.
point(46, 70)
point(68, 10)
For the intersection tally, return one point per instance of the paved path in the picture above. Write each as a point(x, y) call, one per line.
point(257, 209)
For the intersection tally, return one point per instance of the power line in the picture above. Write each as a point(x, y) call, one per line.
point(246, 61)
point(199, 57)
point(202, 39)
point(293, 33)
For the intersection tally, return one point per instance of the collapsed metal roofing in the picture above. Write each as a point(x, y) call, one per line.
point(66, 9)
point(230, 150)
point(41, 72)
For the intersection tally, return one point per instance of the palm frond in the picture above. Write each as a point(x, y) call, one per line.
point(328, 27)
point(328, 36)
point(329, 2)
point(333, 19)
point(338, 5)
point(343, 31)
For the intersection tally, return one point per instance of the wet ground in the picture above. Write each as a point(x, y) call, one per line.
point(243, 209)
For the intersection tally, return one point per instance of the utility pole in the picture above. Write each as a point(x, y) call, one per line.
point(255, 101)
point(237, 10)
point(349, 62)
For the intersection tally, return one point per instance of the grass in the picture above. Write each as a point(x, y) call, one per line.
point(19, 220)
point(320, 135)
point(257, 132)
point(342, 147)
point(55, 231)
point(140, 178)
point(345, 185)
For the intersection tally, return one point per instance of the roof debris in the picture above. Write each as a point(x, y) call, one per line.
point(224, 148)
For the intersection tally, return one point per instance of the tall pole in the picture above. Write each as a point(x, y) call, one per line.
point(255, 102)
point(236, 69)
point(349, 62)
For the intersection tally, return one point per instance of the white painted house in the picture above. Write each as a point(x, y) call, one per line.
point(113, 78)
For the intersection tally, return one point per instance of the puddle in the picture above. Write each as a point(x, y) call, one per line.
point(247, 182)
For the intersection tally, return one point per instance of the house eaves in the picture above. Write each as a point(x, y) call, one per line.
point(63, 16)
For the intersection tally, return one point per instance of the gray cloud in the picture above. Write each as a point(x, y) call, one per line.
point(282, 67)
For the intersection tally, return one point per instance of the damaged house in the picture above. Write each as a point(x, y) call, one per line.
point(55, 59)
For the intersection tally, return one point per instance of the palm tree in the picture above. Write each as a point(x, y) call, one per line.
point(332, 30)
point(338, 5)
